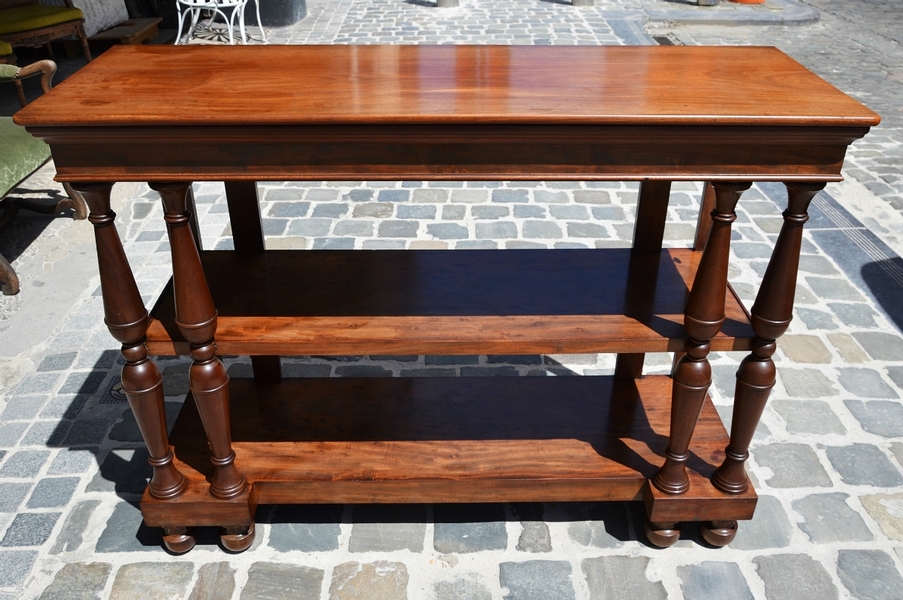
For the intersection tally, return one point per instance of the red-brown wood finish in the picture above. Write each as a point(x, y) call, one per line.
point(727, 116)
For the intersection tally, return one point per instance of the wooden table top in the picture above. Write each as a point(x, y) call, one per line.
point(337, 85)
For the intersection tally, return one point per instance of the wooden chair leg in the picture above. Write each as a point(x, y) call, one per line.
point(9, 282)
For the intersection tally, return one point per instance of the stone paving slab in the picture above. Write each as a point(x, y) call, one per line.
point(827, 459)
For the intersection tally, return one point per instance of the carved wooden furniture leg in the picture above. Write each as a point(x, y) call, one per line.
point(196, 320)
point(771, 316)
point(178, 540)
point(127, 320)
point(703, 317)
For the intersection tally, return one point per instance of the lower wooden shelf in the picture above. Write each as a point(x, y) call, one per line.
point(574, 301)
point(437, 440)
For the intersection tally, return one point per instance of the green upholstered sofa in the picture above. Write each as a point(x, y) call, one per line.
point(27, 23)
point(21, 154)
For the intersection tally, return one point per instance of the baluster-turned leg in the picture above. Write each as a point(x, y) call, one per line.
point(771, 316)
point(127, 319)
point(196, 320)
point(703, 317)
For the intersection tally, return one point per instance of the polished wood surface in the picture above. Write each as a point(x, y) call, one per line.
point(389, 112)
point(459, 439)
point(380, 85)
point(441, 302)
point(727, 116)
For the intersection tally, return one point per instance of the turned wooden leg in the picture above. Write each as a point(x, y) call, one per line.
point(703, 317)
point(718, 533)
point(662, 535)
point(196, 320)
point(771, 315)
point(237, 539)
point(178, 540)
point(127, 320)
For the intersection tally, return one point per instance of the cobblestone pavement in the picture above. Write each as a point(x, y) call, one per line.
point(827, 460)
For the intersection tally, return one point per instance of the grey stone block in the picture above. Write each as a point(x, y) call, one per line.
point(29, 529)
point(537, 580)
point(508, 195)
point(356, 227)
point(794, 577)
point(592, 197)
point(215, 581)
point(125, 531)
point(388, 527)
point(542, 230)
point(24, 463)
point(468, 528)
point(464, 587)
point(854, 314)
point(12, 495)
point(393, 195)
point(806, 383)
point(78, 581)
point(490, 211)
point(865, 383)
point(597, 525)
point(439, 359)
point(311, 227)
point(529, 211)
point(864, 464)
point(313, 195)
point(709, 580)
point(549, 197)
point(282, 582)
point(15, 565)
point(881, 417)
point(10, 433)
point(409, 211)
point(587, 230)
point(72, 534)
point(496, 230)
point(430, 196)
point(374, 210)
point(127, 429)
point(769, 528)
point(46, 433)
point(358, 196)
point(330, 211)
point(38, 383)
point(288, 209)
point(571, 212)
point(53, 492)
point(828, 518)
point(72, 461)
point(152, 580)
point(500, 371)
point(869, 574)
point(87, 432)
point(83, 383)
point(896, 375)
point(809, 416)
point(816, 319)
point(334, 243)
point(470, 196)
point(454, 212)
point(305, 528)
point(57, 362)
point(23, 407)
point(834, 288)
point(751, 250)
point(362, 371)
point(447, 231)
point(792, 465)
point(887, 511)
point(382, 579)
point(621, 577)
point(881, 346)
point(805, 349)
point(398, 229)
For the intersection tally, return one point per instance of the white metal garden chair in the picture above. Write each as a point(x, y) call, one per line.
point(230, 11)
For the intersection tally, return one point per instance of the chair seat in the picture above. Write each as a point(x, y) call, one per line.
point(5, 48)
point(35, 16)
point(21, 154)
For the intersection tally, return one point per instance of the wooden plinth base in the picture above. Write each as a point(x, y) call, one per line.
point(437, 440)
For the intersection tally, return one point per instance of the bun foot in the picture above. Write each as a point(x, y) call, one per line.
point(662, 535)
point(177, 540)
point(718, 533)
point(237, 539)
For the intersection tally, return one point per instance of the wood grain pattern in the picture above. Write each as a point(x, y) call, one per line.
point(440, 302)
point(445, 84)
point(456, 440)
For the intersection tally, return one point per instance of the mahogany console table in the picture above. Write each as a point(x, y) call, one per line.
point(173, 115)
